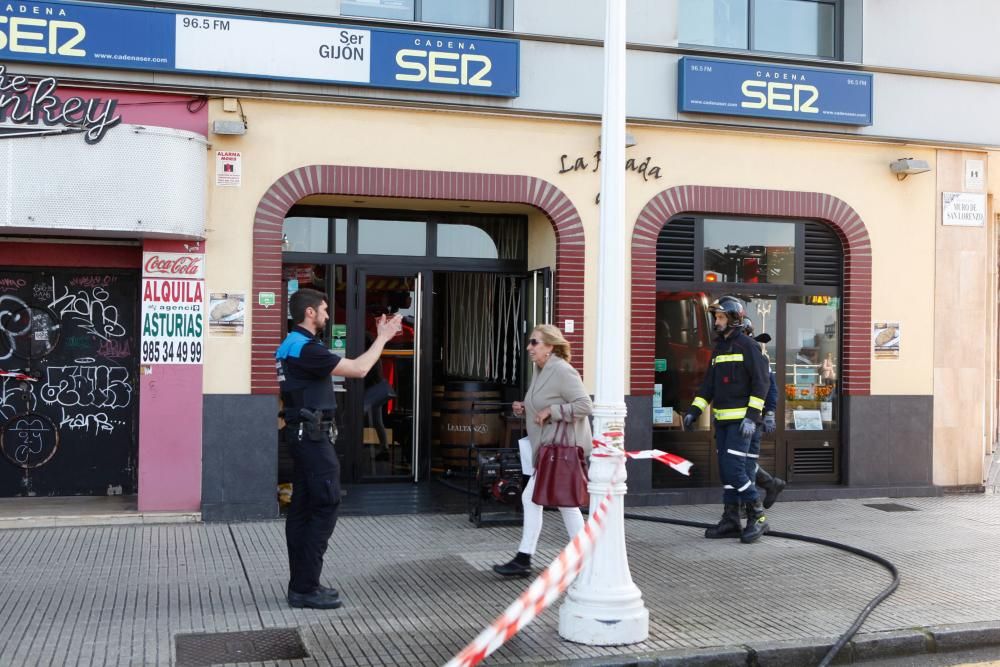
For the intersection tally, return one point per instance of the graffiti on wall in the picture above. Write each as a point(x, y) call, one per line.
point(68, 368)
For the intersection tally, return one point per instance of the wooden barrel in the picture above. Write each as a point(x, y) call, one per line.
point(470, 414)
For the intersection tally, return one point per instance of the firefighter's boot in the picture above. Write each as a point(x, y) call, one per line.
point(728, 526)
point(773, 487)
point(756, 522)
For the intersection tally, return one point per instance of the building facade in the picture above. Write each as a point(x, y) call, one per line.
point(440, 159)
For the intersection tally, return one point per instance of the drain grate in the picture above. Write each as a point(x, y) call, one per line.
point(892, 507)
point(202, 650)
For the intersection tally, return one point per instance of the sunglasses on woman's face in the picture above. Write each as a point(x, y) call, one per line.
point(532, 342)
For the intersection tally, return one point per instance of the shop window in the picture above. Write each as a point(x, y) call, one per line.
point(392, 237)
point(482, 238)
point(738, 251)
point(789, 274)
point(305, 235)
point(684, 341)
point(799, 27)
point(308, 234)
point(812, 362)
point(472, 13)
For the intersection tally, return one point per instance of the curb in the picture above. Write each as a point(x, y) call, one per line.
point(802, 652)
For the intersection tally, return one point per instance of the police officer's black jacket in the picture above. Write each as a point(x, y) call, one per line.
point(304, 365)
point(736, 382)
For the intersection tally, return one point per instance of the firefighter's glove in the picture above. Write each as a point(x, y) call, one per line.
point(747, 428)
point(689, 420)
point(769, 424)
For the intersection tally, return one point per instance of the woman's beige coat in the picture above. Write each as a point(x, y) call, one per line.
point(558, 386)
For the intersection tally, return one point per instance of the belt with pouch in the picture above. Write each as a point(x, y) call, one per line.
point(325, 426)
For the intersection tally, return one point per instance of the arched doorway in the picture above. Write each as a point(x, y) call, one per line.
point(801, 263)
point(375, 274)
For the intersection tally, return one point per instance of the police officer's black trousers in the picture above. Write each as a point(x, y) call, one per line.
point(312, 514)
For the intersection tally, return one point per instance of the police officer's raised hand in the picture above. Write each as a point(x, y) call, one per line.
point(769, 424)
point(747, 428)
point(389, 328)
point(689, 420)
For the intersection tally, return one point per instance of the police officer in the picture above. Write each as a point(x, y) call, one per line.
point(772, 485)
point(735, 383)
point(304, 369)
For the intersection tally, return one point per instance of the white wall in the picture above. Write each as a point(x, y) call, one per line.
point(957, 36)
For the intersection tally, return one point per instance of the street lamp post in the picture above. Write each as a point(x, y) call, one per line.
point(604, 607)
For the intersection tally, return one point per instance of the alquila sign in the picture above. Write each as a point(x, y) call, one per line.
point(27, 108)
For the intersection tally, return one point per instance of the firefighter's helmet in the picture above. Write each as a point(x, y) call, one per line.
point(732, 307)
point(748, 326)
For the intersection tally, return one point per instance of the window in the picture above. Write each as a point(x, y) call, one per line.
point(472, 13)
point(392, 237)
point(799, 27)
point(789, 275)
point(481, 237)
point(739, 251)
point(812, 362)
point(308, 234)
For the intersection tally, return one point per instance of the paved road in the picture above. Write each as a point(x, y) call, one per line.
point(418, 587)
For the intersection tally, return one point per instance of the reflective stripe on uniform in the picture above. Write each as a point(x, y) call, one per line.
point(756, 403)
point(745, 486)
point(722, 358)
point(754, 456)
point(735, 453)
point(730, 413)
point(726, 486)
point(699, 403)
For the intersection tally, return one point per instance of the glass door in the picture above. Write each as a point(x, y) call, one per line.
point(389, 398)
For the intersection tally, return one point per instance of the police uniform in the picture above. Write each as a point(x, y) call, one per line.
point(735, 385)
point(304, 366)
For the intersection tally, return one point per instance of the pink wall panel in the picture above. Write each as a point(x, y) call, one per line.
point(170, 428)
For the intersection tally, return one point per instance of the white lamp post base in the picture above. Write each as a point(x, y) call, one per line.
point(603, 607)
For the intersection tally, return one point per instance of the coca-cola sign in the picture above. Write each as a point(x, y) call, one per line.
point(173, 265)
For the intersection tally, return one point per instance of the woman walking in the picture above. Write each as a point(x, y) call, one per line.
point(556, 395)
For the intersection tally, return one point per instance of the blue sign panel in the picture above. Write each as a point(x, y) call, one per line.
point(71, 33)
point(763, 90)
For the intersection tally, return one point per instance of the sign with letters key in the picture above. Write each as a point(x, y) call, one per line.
point(167, 40)
point(764, 90)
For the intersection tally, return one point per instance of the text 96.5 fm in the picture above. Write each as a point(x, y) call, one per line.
point(171, 352)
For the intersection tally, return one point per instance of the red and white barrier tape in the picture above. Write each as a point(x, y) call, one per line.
point(560, 573)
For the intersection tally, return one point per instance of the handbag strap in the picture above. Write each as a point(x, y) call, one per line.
point(561, 430)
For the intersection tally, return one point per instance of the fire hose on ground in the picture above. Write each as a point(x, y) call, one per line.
point(557, 577)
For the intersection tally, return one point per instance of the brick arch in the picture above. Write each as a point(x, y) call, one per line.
point(268, 323)
point(856, 362)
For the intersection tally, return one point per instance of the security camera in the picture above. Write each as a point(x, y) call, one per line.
point(903, 167)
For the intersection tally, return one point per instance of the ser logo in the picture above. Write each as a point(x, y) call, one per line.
point(20, 34)
point(444, 67)
point(779, 96)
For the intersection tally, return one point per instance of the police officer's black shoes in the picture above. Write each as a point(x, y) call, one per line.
point(728, 526)
point(315, 600)
point(775, 486)
point(519, 566)
point(756, 522)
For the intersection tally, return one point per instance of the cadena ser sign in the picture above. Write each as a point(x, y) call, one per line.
point(763, 90)
point(125, 37)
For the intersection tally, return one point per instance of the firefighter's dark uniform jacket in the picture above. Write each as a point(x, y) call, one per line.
point(736, 382)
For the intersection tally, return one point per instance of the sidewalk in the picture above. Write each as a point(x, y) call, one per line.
point(417, 588)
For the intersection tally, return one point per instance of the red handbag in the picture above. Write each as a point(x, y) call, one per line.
point(561, 473)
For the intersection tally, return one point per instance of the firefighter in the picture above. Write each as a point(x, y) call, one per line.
point(736, 383)
point(772, 485)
